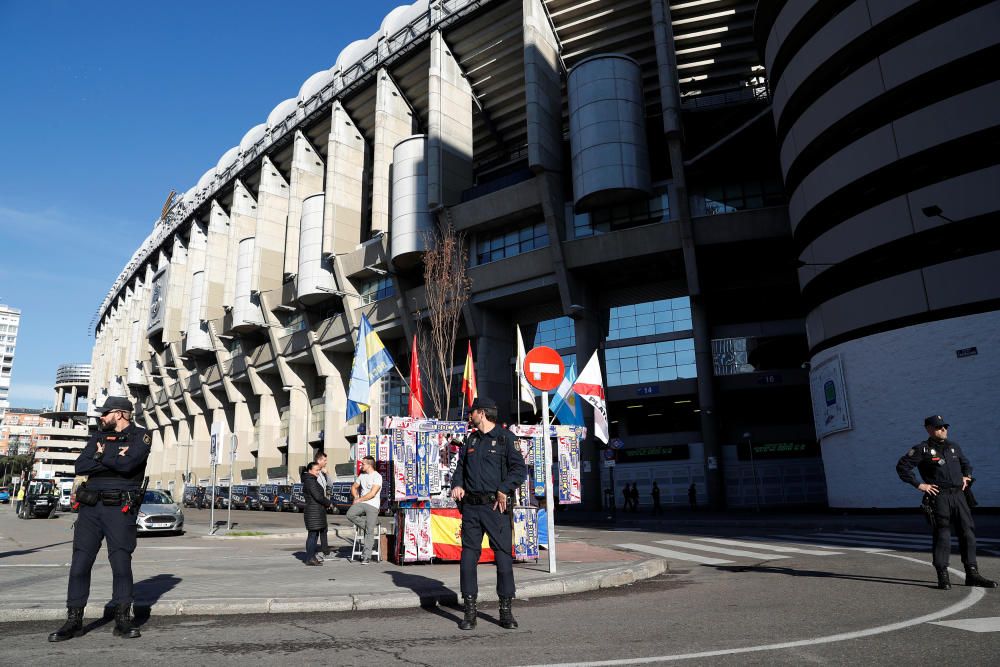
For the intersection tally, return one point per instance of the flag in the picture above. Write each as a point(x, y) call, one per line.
point(590, 387)
point(469, 389)
point(416, 392)
point(371, 362)
point(565, 405)
point(527, 395)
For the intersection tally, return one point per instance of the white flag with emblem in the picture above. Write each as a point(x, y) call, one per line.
point(590, 387)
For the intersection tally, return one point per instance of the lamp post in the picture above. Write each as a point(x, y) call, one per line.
point(305, 432)
point(753, 471)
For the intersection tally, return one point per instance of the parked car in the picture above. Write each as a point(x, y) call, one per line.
point(193, 496)
point(276, 497)
point(159, 514)
point(66, 495)
point(221, 497)
point(340, 497)
point(40, 499)
point(4, 494)
point(298, 502)
point(244, 497)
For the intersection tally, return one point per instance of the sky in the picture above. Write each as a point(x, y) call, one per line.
point(108, 106)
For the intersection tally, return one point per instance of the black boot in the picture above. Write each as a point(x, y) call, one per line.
point(469, 622)
point(506, 615)
point(123, 623)
point(73, 627)
point(973, 578)
point(944, 583)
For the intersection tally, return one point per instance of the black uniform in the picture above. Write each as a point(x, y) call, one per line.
point(488, 463)
point(942, 463)
point(117, 475)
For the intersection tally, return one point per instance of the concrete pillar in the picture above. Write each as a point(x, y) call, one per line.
point(542, 89)
point(194, 288)
point(306, 180)
point(299, 451)
point(73, 398)
point(589, 330)
point(393, 123)
point(493, 348)
point(268, 434)
point(59, 399)
point(242, 225)
point(345, 172)
point(216, 264)
point(449, 127)
point(177, 280)
point(272, 216)
point(335, 414)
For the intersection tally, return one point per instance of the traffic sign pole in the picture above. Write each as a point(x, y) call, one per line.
point(550, 506)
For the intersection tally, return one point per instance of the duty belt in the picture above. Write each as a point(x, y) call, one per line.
point(479, 498)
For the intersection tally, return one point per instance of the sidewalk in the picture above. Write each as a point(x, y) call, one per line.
point(200, 574)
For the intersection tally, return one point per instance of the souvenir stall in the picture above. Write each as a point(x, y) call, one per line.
point(417, 457)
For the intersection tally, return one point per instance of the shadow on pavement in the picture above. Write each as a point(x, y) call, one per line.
point(791, 572)
point(22, 552)
point(147, 593)
point(434, 596)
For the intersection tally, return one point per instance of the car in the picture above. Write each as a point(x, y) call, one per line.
point(298, 503)
point(159, 514)
point(220, 497)
point(275, 497)
point(4, 494)
point(40, 499)
point(244, 497)
point(193, 496)
point(66, 495)
point(340, 497)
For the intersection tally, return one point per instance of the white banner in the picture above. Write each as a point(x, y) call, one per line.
point(829, 397)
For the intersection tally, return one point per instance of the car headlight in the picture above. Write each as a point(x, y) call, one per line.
point(142, 515)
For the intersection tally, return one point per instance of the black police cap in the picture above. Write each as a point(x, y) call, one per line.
point(116, 403)
point(483, 403)
point(936, 421)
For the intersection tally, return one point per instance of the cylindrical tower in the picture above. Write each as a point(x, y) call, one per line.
point(246, 312)
point(411, 220)
point(315, 274)
point(890, 143)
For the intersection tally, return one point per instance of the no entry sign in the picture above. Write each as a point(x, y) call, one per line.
point(544, 368)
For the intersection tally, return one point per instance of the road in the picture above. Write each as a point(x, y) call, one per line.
point(732, 597)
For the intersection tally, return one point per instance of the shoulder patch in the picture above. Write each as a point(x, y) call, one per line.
point(911, 452)
point(146, 439)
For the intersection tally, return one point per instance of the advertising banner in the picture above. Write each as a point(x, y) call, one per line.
point(569, 470)
point(525, 533)
point(829, 397)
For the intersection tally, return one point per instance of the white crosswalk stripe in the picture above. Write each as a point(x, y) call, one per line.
point(823, 541)
point(676, 555)
point(721, 550)
point(770, 547)
point(915, 536)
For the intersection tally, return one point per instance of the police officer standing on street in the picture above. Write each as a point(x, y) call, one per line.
point(946, 474)
point(490, 468)
point(115, 462)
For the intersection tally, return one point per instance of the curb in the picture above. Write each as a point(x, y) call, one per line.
point(613, 577)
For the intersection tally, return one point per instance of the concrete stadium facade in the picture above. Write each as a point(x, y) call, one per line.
point(885, 114)
point(613, 170)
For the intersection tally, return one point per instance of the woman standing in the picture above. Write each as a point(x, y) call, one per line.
point(315, 511)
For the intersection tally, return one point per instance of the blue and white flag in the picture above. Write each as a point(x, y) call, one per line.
point(565, 405)
point(371, 362)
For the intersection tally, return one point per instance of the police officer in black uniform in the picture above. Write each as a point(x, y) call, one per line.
point(946, 474)
point(115, 462)
point(490, 468)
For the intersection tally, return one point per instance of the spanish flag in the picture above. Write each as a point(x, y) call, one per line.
point(469, 379)
point(446, 536)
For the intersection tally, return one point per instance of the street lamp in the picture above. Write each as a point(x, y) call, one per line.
point(753, 470)
point(305, 432)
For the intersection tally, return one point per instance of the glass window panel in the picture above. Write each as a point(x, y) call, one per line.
point(614, 379)
point(647, 362)
point(685, 357)
point(665, 346)
point(612, 365)
point(680, 302)
point(629, 363)
point(661, 306)
point(665, 359)
point(645, 318)
point(648, 375)
point(648, 349)
point(611, 353)
point(684, 344)
point(687, 371)
point(631, 377)
point(643, 308)
point(627, 332)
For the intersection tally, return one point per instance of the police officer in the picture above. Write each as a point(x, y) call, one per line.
point(115, 462)
point(946, 474)
point(490, 468)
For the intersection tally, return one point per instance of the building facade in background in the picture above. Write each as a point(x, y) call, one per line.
point(615, 172)
point(10, 322)
point(889, 139)
point(20, 431)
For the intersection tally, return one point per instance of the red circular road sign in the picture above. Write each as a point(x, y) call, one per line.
point(544, 368)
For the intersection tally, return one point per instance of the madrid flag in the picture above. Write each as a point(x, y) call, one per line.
point(590, 387)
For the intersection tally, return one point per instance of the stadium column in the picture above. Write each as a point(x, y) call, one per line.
point(197, 251)
point(449, 127)
point(176, 293)
point(264, 430)
point(334, 401)
point(345, 167)
point(393, 123)
point(306, 179)
point(542, 89)
point(272, 217)
point(242, 225)
point(216, 265)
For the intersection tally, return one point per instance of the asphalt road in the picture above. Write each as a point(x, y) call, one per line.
point(781, 597)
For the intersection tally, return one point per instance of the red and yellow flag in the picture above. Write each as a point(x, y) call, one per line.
point(469, 379)
point(416, 391)
point(446, 536)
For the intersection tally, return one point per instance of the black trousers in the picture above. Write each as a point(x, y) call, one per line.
point(324, 544)
point(477, 519)
point(94, 524)
point(951, 510)
point(311, 538)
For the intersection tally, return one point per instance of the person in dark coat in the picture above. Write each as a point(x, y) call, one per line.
point(315, 511)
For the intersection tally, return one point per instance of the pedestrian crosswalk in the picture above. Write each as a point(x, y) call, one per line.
point(728, 551)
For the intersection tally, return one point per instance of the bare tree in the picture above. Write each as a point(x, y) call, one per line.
point(447, 285)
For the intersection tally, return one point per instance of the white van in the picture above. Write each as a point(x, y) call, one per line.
point(66, 495)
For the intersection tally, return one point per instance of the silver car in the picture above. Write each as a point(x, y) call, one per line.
point(160, 514)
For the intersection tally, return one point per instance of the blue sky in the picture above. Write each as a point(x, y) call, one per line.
point(109, 105)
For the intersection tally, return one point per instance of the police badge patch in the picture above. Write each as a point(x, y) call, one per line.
point(911, 452)
point(146, 439)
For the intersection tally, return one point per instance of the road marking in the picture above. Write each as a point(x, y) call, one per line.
point(817, 540)
point(895, 544)
point(144, 547)
point(991, 624)
point(705, 560)
point(772, 547)
point(35, 565)
point(974, 596)
point(987, 540)
point(721, 550)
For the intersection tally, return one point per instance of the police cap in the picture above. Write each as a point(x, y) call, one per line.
point(936, 421)
point(483, 403)
point(116, 403)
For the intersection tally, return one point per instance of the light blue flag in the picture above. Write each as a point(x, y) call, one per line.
point(565, 404)
point(371, 362)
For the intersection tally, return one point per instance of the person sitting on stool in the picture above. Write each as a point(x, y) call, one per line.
point(366, 490)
